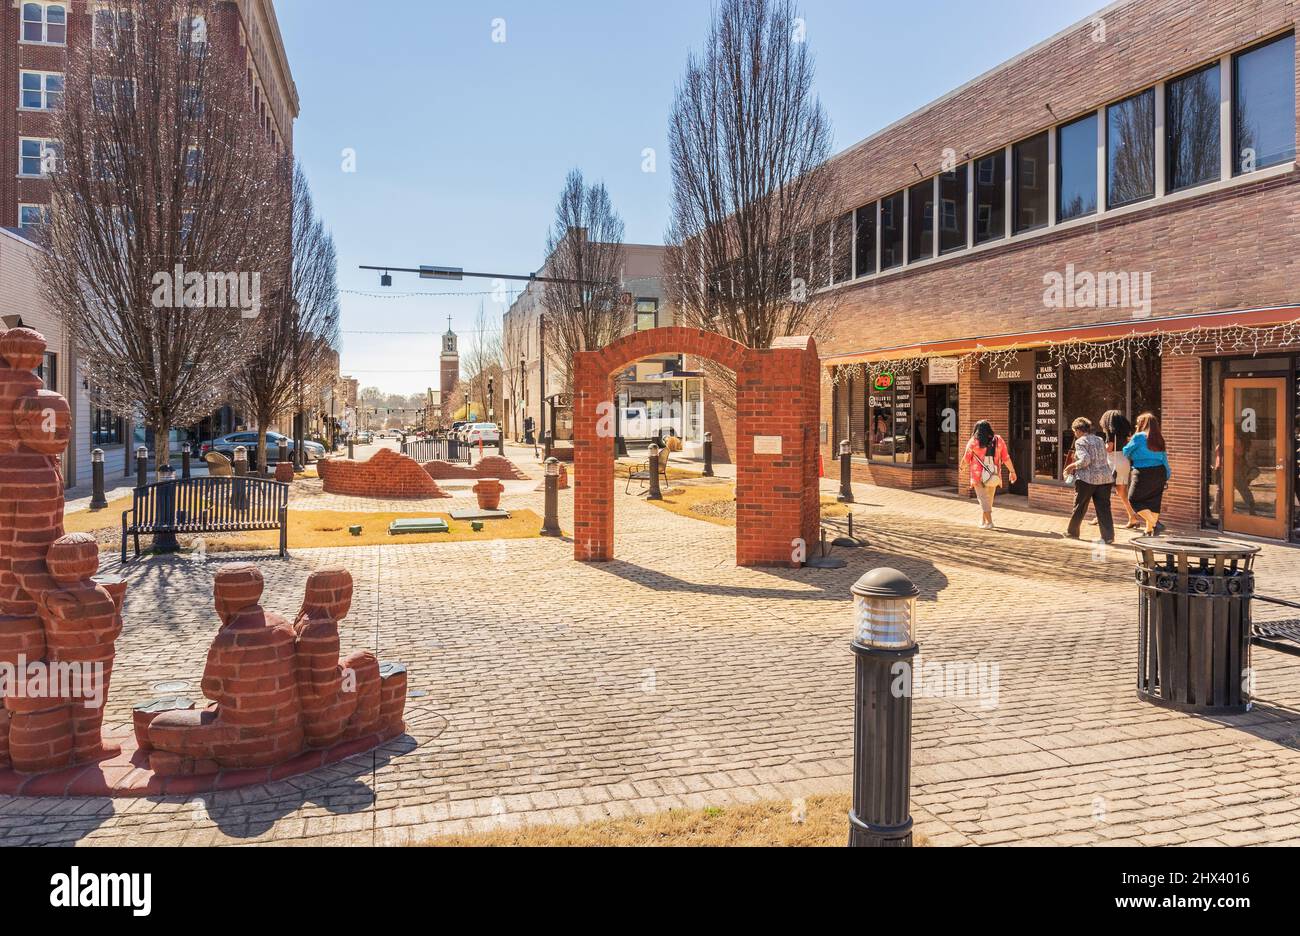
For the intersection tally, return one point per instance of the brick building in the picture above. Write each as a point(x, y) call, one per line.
point(35, 38)
point(1109, 220)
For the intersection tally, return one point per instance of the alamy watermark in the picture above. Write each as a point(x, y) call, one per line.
point(1106, 290)
point(62, 680)
point(178, 289)
point(951, 679)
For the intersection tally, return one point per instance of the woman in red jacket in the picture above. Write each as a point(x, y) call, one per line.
point(986, 454)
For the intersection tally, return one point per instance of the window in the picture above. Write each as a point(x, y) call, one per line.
point(647, 314)
point(1076, 169)
point(105, 428)
point(49, 371)
point(842, 249)
point(1263, 106)
point(45, 22)
point(193, 165)
point(990, 198)
point(1192, 129)
point(889, 411)
point(1131, 150)
point(112, 29)
point(891, 231)
point(32, 217)
point(920, 220)
point(109, 94)
point(821, 256)
point(1029, 159)
point(952, 199)
point(865, 261)
point(192, 102)
point(194, 31)
point(38, 157)
point(40, 90)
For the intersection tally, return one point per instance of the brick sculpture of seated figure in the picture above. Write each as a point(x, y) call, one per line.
point(82, 623)
point(344, 700)
point(250, 675)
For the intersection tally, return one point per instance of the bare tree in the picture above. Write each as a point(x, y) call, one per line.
point(749, 142)
point(166, 211)
point(585, 247)
point(483, 362)
point(514, 348)
point(293, 338)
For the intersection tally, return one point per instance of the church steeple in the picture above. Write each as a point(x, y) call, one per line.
point(449, 341)
point(449, 371)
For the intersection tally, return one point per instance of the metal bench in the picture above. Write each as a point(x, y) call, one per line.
point(1282, 636)
point(208, 505)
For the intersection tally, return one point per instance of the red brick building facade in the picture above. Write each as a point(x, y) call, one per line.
point(35, 36)
point(1110, 220)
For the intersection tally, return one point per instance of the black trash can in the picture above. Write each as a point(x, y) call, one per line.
point(1194, 622)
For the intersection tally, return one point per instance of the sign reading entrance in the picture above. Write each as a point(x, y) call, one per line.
point(1019, 368)
point(768, 445)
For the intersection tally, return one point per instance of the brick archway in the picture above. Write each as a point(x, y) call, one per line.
point(777, 444)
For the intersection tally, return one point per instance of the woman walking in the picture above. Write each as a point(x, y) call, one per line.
point(1117, 430)
point(985, 455)
point(1094, 480)
point(1151, 472)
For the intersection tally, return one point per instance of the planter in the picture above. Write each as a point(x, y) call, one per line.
point(284, 472)
point(489, 493)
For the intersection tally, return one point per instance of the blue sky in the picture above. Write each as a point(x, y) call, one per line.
point(462, 143)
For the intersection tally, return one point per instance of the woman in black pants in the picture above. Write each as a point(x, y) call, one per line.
point(1094, 480)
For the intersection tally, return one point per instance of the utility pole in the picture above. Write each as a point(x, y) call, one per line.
point(541, 360)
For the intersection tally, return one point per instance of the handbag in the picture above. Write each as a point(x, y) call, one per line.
point(990, 472)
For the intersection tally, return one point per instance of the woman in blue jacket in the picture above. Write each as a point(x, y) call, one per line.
point(1151, 472)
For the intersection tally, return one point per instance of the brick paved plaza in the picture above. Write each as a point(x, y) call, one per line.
point(548, 691)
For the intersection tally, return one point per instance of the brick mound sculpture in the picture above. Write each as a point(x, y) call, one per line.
point(492, 466)
point(561, 485)
point(58, 625)
point(387, 475)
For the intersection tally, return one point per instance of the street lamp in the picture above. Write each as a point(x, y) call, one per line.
point(884, 618)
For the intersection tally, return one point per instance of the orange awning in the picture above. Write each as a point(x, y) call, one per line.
point(1106, 331)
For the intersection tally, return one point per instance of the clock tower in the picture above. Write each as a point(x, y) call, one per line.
point(450, 366)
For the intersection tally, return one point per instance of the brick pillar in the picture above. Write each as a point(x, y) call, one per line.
point(1183, 409)
point(593, 460)
point(979, 400)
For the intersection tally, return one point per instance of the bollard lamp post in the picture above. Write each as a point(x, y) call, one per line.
point(551, 524)
point(653, 467)
point(884, 615)
point(98, 500)
point(846, 473)
point(141, 467)
point(708, 454)
point(185, 461)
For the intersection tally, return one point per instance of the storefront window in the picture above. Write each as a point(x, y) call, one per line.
point(891, 231)
point(934, 436)
point(903, 412)
point(880, 407)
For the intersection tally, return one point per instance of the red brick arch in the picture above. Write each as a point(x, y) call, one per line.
point(777, 397)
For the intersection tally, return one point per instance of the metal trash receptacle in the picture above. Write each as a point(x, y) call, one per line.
point(1194, 622)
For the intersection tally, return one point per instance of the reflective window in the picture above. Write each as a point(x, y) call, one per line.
point(990, 197)
point(891, 231)
point(842, 249)
point(920, 220)
point(1263, 106)
point(1192, 129)
point(1131, 150)
point(1076, 169)
point(1029, 159)
point(952, 209)
point(865, 261)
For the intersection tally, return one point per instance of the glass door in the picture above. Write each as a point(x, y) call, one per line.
point(1255, 457)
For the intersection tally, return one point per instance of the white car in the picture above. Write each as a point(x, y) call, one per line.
point(487, 433)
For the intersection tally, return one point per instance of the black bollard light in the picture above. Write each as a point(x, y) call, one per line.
point(98, 500)
point(240, 466)
point(708, 454)
point(351, 450)
point(884, 606)
point(846, 473)
point(185, 461)
point(551, 523)
point(141, 467)
point(653, 464)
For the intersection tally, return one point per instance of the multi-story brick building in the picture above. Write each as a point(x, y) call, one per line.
point(35, 39)
point(1109, 220)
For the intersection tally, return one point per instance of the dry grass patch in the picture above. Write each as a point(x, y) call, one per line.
point(817, 822)
point(714, 501)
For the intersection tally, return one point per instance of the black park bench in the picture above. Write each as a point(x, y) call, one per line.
point(208, 505)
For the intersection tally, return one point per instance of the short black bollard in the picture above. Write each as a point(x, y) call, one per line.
point(546, 445)
point(239, 495)
point(846, 473)
point(141, 467)
point(165, 539)
point(653, 467)
point(551, 523)
point(351, 449)
point(708, 454)
point(98, 500)
point(884, 603)
point(185, 461)
point(282, 452)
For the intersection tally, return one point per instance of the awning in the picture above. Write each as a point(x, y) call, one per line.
point(1105, 331)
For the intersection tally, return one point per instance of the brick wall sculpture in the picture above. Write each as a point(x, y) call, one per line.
point(279, 689)
point(388, 474)
point(778, 393)
point(54, 617)
point(492, 466)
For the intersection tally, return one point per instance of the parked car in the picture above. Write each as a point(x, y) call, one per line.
point(364, 437)
point(226, 445)
point(487, 433)
point(455, 430)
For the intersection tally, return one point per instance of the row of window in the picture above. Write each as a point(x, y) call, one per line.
point(1107, 156)
point(47, 24)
